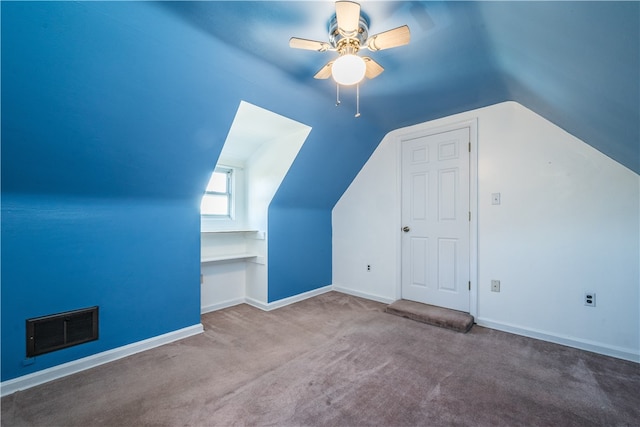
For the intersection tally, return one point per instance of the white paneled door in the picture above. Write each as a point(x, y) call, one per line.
point(435, 219)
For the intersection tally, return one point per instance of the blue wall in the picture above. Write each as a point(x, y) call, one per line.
point(303, 268)
point(113, 116)
point(137, 260)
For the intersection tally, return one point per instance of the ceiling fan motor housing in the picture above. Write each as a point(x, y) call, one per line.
point(340, 40)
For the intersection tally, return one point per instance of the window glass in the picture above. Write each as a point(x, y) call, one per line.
point(218, 182)
point(214, 204)
point(217, 199)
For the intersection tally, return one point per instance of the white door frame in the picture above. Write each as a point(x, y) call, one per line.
point(427, 130)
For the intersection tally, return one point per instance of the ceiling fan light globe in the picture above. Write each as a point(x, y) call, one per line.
point(348, 70)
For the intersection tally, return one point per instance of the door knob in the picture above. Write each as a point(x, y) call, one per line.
point(406, 229)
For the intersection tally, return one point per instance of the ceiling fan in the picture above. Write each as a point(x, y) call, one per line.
point(348, 33)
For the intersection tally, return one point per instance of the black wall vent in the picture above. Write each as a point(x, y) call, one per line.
point(57, 331)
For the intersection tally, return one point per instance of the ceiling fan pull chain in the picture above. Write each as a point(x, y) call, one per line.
point(358, 100)
point(337, 94)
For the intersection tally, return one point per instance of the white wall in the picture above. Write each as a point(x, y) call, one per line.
point(365, 225)
point(266, 168)
point(223, 284)
point(223, 281)
point(568, 222)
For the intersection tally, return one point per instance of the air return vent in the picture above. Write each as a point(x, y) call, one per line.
point(57, 331)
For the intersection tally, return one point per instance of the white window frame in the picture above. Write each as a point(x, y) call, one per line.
point(230, 172)
point(236, 218)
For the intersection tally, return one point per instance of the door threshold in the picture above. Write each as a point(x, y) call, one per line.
point(437, 316)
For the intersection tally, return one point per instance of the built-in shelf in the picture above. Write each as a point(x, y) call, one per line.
point(230, 257)
point(229, 231)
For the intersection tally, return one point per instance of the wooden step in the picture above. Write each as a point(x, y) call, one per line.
point(432, 315)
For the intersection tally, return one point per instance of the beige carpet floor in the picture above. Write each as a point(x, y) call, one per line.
point(337, 360)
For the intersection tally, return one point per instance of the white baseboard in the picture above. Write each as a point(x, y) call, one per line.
point(221, 305)
point(290, 300)
point(286, 301)
point(55, 372)
point(257, 304)
point(59, 371)
point(595, 347)
point(365, 295)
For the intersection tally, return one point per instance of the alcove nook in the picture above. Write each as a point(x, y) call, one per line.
point(259, 150)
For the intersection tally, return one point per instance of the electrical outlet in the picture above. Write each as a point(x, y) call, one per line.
point(590, 299)
point(368, 267)
point(495, 286)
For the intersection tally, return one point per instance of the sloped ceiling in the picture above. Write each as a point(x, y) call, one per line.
point(136, 98)
point(576, 63)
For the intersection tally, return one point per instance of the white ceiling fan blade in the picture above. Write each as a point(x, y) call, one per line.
point(388, 39)
point(373, 69)
point(325, 72)
point(348, 17)
point(297, 43)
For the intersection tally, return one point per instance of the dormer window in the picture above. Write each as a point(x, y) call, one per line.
point(217, 200)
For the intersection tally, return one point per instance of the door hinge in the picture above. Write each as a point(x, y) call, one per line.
point(469, 284)
point(469, 215)
point(469, 147)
